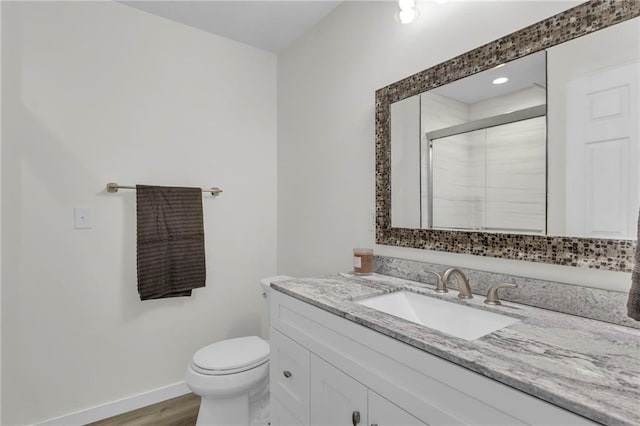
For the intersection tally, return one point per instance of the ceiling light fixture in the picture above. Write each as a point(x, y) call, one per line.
point(500, 80)
point(408, 11)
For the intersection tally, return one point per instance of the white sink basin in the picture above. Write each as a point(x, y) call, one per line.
point(452, 318)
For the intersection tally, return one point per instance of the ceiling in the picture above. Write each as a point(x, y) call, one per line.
point(523, 73)
point(268, 25)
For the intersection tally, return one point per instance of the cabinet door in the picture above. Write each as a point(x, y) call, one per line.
point(289, 376)
point(384, 413)
point(336, 398)
point(280, 416)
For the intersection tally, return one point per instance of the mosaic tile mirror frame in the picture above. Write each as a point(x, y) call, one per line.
point(608, 254)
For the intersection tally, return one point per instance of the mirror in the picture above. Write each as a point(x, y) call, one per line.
point(472, 154)
point(481, 145)
point(540, 168)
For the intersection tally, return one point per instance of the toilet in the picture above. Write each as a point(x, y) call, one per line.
point(231, 375)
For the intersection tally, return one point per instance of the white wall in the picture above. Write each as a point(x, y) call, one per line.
point(514, 101)
point(97, 92)
point(326, 85)
point(405, 157)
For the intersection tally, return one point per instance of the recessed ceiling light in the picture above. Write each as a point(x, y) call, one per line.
point(500, 80)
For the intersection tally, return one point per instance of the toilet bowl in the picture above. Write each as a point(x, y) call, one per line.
point(224, 375)
point(230, 375)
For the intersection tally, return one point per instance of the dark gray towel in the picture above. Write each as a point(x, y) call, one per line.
point(633, 303)
point(170, 249)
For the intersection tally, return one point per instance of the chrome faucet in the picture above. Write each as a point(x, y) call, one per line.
point(441, 286)
point(492, 294)
point(464, 290)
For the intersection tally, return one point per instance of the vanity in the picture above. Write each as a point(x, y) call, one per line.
point(547, 171)
point(336, 361)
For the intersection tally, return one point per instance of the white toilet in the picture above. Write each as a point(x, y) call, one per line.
point(231, 374)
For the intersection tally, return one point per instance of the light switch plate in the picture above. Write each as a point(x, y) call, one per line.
point(82, 218)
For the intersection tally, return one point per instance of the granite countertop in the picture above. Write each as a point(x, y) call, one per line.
point(589, 367)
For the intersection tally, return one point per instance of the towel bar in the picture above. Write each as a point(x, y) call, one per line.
point(113, 187)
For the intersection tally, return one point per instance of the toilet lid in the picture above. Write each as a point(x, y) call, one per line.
point(232, 355)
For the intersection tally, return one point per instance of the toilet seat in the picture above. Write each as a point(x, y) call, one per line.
point(231, 356)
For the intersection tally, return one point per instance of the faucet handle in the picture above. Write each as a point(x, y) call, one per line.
point(492, 294)
point(441, 287)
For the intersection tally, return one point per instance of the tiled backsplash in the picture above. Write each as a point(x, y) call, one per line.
point(594, 303)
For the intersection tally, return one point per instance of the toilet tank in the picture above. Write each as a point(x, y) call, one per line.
point(265, 288)
point(265, 283)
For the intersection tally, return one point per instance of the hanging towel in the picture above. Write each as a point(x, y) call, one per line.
point(170, 241)
point(633, 304)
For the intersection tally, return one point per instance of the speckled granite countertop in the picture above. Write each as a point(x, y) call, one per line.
point(589, 367)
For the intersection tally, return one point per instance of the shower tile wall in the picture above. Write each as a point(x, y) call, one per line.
point(471, 190)
point(515, 167)
point(452, 200)
point(514, 164)
point(453, 204)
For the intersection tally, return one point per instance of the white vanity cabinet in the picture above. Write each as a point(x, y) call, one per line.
point(324, 368)
point(384, 413)
point(338, 399)
point(308, 390)
point(289, 381)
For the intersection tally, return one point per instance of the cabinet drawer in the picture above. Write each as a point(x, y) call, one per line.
point(289, 375)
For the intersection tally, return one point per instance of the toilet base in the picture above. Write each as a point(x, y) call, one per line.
point(224, 412)
point(259, 407)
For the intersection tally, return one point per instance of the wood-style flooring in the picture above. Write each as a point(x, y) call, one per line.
point(180, 411)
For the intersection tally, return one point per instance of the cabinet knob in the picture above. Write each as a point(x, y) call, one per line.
point(355, 418)
point(286, 373)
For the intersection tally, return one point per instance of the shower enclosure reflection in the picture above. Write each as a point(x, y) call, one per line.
point(492, 179)
point(482, 153)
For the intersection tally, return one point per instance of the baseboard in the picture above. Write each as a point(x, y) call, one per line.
point(120, 406)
